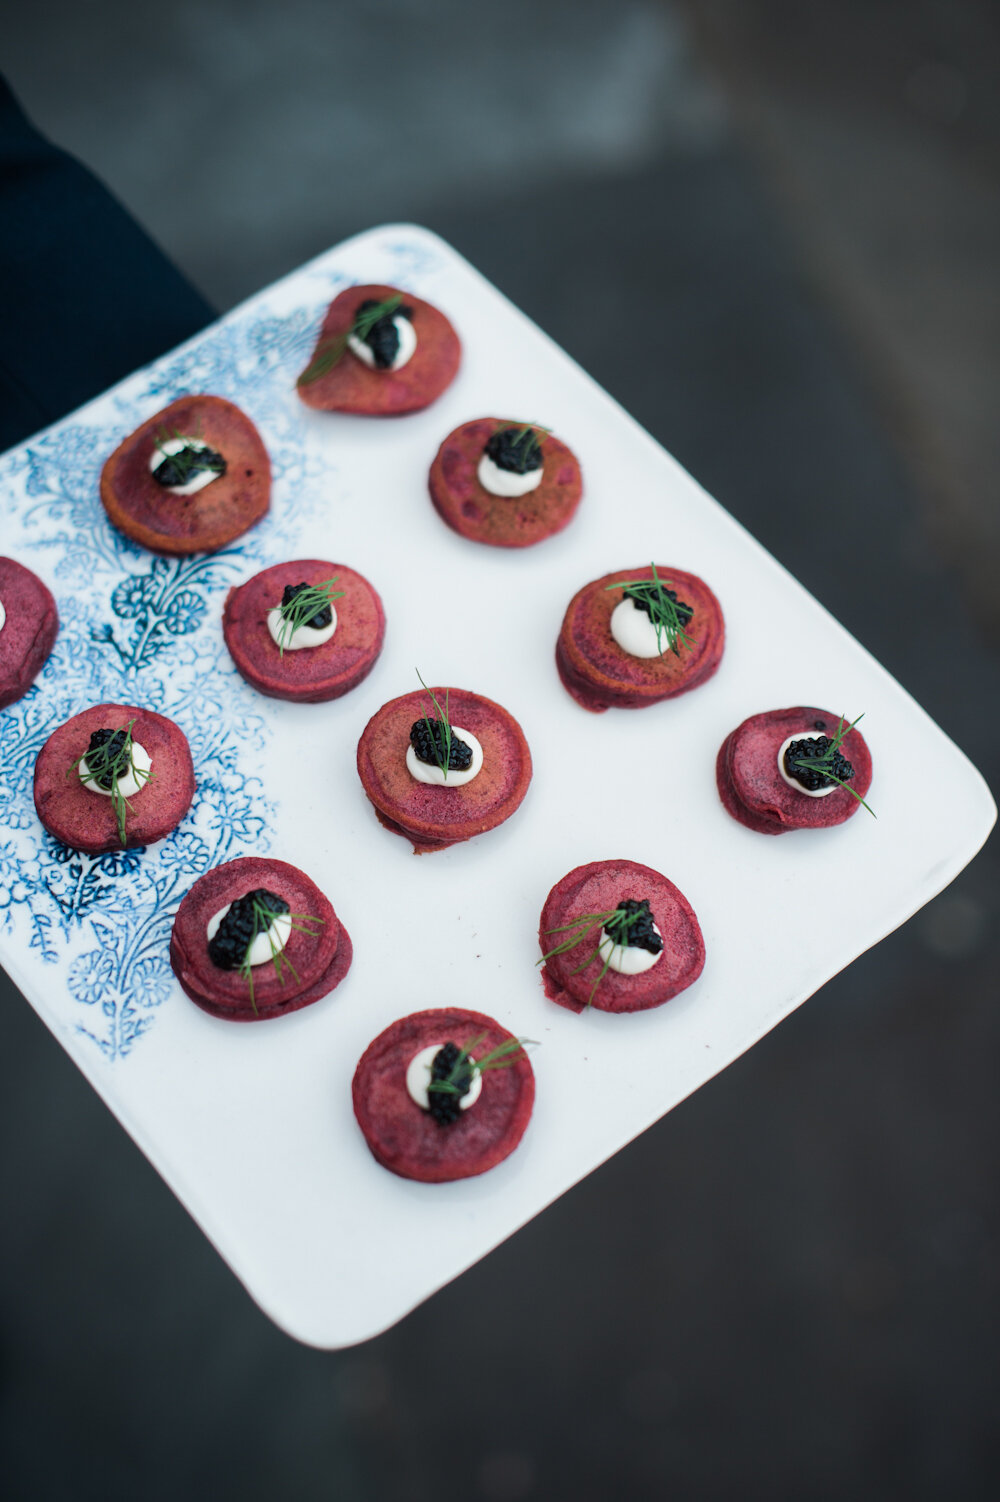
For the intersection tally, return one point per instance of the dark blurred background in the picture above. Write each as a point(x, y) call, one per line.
point(788, 1288)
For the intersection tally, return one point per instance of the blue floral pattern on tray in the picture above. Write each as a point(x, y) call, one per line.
point(135, 628)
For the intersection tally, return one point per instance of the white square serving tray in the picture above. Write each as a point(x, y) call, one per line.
point(252, 1126)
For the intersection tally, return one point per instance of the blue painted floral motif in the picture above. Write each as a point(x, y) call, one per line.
point(124, 900)
point(141, 629)
point(160, 604)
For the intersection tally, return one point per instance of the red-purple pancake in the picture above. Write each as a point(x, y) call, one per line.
point(600, 887)
point(600, 675)
point(28, 632)
point(407, 1139)
point(157, 518)
point(316, 957)
point(502, 521)
point(753, 790)
point(86, 820)
point(435, 817)
point(352, 386)
point(311, 674)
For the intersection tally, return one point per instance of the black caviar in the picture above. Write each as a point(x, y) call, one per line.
point(427, 737)
point(444, 1104)
point(241, 925)
point(321, 617)
point(115, 741)
point(644, 597)
point(383, 337)
point(516, 450)
point(179, 468)
point(818, 750)
point(637, 934)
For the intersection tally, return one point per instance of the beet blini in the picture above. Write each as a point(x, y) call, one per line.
point(442, 766)
point(638, 637)
point(256, 938)
point(443, 1095)
point(306, 630)
point(190, 479)
point(503, 483)
point(114, 777)
point(29, 623)
point(380, 353)
point(800, 768)
point(618, 936)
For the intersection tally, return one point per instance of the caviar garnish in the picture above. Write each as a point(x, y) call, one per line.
point(368, 314)
point(306, 605)
point(645, 599)
point(428, 739)
point(438, 738)
point(618, 924)
point(247, 917)
point(113, 745)
point(819, 762)
point(516, 449)
point(668, 615)
point(108, 763)
point(453, 1068)
point(321, 616)
point(379, 329)
point(807, 761)
point(193, 459)
point(637, 930)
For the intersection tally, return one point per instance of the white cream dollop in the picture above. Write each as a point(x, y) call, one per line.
point(129, 785)
point(407, 344)
point(627, 959)
point(174, 446)
point(425, 772)
point(302, 636)
point(504, 481)
point(265, 945)
point(3, 616)
point(635, 633)
point(802, 735)
point(418, 1077)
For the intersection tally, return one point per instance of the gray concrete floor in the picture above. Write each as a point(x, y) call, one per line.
point(877, 127)
point(787, 1288)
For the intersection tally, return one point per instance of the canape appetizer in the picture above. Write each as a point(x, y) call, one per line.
point(508, 484)
point(801, 768)
point(639, 636)
point(619, 937)
point(255, 939)
point(190, 479)
point(380, 353)
point(441, 765)
point(306, 630)
point(28, 626)
point(443, 1094)
point(114, 777)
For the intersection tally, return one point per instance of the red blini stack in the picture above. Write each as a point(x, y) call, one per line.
point(599, 888)
point(503, 521)
point(407, 1139)
point(312, 674)
point(159, 519)
point(601, 675)
point(753, 790)
point(352, 386)
point(27, 636)
point(315, 959)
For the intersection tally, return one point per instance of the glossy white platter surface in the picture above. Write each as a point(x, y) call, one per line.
point(251, 1125)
